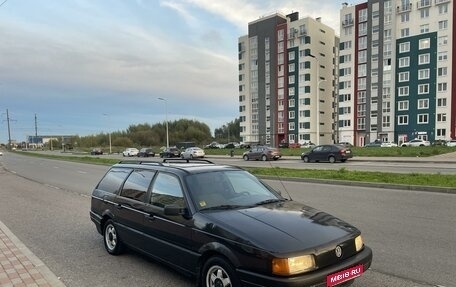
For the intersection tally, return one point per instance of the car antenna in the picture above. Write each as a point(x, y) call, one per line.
point(281, 181)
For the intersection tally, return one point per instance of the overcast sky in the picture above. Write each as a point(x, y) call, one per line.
point(90, 66)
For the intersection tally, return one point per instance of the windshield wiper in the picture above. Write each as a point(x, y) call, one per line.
point(223, 207)
point(272, 200)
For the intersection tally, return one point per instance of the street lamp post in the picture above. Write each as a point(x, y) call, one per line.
point(109, 136)
point(166, 119)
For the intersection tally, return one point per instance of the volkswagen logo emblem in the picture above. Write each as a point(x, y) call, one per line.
point(338, 251)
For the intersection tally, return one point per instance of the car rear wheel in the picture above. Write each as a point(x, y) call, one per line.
point(306, 159)
point(246, 157)
point(217, 272)
point(112, 241)
point(332, 159)
point(264, 158)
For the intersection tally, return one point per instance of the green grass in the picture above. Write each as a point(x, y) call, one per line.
point(418, 179)
point(437, 180)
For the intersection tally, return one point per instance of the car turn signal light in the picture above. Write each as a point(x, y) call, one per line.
point(294, 265)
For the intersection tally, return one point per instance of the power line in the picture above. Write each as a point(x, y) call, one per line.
point(3, 3)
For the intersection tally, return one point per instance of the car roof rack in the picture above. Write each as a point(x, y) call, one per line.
point(140, 162)
point(183, 160)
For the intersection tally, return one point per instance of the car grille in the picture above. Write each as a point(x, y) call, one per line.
point(329, 257)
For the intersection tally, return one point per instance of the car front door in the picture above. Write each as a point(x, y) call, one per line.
point(169, 236)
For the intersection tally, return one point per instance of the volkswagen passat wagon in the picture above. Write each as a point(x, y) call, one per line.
point(223, 226)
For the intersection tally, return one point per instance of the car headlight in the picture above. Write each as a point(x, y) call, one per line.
point(293, 265)
point(359, 243)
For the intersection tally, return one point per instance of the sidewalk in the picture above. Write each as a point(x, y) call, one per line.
point(19, 267)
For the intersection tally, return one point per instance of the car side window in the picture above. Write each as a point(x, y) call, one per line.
point(167, 190)
point(112, 181)
point(137, 184)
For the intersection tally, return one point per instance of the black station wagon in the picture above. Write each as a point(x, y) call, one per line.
point(223, 226)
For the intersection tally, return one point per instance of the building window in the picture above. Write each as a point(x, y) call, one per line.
point(443, 8)
point(423, 104)
point(403, 77)
point(424, 13)
point(423, 118)
point(291, 56)
point(424, 28)
point(405, 17)
point(442, 40)
point(443, 25)
point(443, 71)
point(291, 103)
point(442, 56)
point(423, 89)
point(291, 126)
point(441, 132)
point(402, 120)
point(291, 68)
point(441, 117)
point(442, 87)
point(403, 105)
point(423, 59)
point(441, 102)
point(405, 32)
point(425, 43)
point(404, 47)
point(423, 74)
point(291, 114)
point(404, 62)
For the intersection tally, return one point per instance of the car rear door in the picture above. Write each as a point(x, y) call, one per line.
point(130, 207)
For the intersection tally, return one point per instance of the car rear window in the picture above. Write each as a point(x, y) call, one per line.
point(113, 180)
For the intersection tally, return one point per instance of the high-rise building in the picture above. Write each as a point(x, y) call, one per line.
point(395, 71)
point(287, 81)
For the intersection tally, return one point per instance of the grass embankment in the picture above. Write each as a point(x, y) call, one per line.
point(419, 179)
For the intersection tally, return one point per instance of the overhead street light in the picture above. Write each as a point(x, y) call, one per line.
point(166, 119)
point(109, 133)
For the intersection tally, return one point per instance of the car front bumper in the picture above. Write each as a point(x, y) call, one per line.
point(314, 279)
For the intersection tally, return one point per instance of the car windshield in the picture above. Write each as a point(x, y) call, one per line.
point(229, 189)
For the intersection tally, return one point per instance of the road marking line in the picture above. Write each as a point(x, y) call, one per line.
point(83, 172)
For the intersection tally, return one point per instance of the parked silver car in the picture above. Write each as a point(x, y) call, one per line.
point(416, 142)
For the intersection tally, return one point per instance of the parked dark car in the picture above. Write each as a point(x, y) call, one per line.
point(263, 153)
point(330, 152)
point(170, 152)
point(96, 151)
point(223, 226)
point(146, 152)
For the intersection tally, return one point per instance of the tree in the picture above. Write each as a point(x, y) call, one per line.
point(229, 132)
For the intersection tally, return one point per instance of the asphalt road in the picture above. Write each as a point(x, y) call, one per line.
point(412, 234)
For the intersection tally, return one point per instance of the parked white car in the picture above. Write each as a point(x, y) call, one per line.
point(416, 142)
point(388, 144)
point(131, 151)
point(193, 152)
point(451, 143)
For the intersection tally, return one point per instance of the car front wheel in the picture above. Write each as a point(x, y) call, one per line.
point(332, 159)
point(246, 157)
point(112, 241)
point(306, 159)
point(217, 272)
point(264, 158)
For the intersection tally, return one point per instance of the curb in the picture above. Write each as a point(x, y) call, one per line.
point(47, 274)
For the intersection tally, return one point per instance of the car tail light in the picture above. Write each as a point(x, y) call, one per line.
point(342, 151)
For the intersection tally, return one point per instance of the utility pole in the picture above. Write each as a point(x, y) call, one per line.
point(36, 127)
point(9, 130)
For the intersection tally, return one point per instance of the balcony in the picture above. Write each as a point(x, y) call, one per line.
point(347, 23)
point(437, 2)
point(423, 4)
point(404, 8)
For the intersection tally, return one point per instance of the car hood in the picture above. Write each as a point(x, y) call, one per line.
point(284, 227)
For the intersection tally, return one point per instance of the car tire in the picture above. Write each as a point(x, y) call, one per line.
point(264, 158)
point(217, 271)
point(332, 159)
point(246, 157)
point(191, 156)
point(306, 159)
point(111, 239)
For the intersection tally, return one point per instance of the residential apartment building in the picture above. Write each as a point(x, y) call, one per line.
point(395, 71)
point(287, 81)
